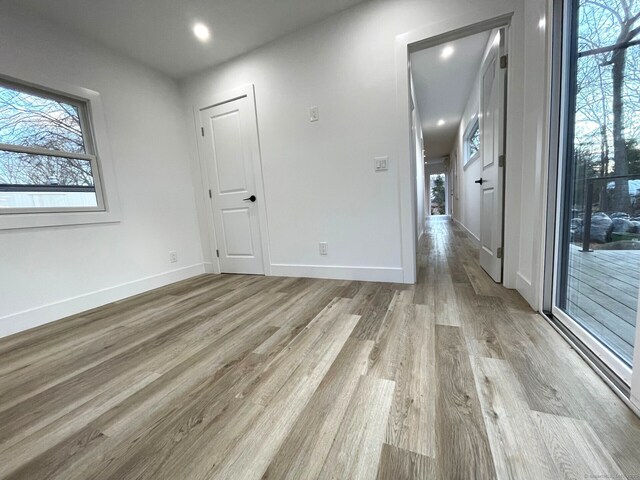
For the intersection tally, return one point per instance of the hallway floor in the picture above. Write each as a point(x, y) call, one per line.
point(242, 377)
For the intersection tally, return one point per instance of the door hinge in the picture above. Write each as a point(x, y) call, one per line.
point(202, 130)
point(504, 61)
point(499, 254)
point(501, 160)
point(218, 253)
point(210, 194)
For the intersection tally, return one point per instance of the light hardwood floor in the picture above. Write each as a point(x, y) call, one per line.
point(241, 377)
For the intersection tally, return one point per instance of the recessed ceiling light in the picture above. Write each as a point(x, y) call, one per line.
point(447, 52)
point(440, 122)
point(201, 31)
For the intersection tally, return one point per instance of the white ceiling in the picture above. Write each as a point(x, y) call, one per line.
point(159, 32)
point(443, 87)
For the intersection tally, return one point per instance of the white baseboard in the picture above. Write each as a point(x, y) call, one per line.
point(20, 321)
point(472, 237)
point(525, 288)
point(366, 274)
point(522, 282)
point(210, 268)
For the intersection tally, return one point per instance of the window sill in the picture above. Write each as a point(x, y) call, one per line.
point(470, 161)
point(18, 221)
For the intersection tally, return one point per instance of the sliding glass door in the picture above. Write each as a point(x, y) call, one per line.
point(597, 265)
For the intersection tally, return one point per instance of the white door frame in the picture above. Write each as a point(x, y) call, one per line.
point(247, 91)
point(506, 13)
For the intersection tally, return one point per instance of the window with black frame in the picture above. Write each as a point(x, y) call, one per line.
point(47, 158)
point(599, 255)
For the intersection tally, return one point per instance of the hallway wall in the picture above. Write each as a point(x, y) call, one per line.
point(468, 202)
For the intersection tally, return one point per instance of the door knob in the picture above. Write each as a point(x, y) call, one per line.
point(252, 198)
point(479, 181)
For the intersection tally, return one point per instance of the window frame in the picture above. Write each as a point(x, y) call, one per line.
point(473, 126)
point(97, 152)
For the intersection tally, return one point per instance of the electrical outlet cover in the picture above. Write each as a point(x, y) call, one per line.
point(314, 114)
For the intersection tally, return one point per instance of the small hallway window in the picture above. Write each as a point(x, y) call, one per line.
point(472, 142)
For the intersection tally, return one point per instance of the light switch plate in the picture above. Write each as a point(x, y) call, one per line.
point(381, 164)
point(314, 114)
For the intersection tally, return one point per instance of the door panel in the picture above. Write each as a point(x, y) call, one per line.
point(493, 109)
point(227, 144)
point(597, 255)
point(488, 105)
point(487, 228)
point(236, 225)
point(228, 136)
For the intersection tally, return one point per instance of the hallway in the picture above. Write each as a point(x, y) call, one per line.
point(242, 377)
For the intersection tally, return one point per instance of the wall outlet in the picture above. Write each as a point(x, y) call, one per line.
point(324, 248)
point(314, 114)
point(381, 164)
point(173, 256)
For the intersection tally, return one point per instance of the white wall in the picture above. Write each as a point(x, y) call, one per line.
point(48, 273)
point(467, 206)
point(319, 178)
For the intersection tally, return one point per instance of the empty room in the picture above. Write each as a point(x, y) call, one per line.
point(338, 239)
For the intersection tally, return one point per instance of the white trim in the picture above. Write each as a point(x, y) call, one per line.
point(524, 288)
point(106, 184)
point(366, 274)
point(27, 319)
point(218, 99)
point(522, 282)
point(506, 13)
point(472, 237)
point(635, 375)
point(210, 267)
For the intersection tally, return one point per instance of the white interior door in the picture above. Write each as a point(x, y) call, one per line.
point(492, 144)
point(229, 146)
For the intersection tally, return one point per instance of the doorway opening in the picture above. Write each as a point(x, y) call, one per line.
point(438, 194)
point(458, 93)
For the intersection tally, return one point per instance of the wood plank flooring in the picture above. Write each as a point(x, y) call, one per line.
point(241, 377)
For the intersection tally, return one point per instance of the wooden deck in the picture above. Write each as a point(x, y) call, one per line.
point(603, 295)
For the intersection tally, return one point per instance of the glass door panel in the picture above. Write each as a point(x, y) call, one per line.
point(599, 249)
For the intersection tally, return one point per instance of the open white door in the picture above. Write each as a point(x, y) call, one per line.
point(492, 144)
point(229, 146)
